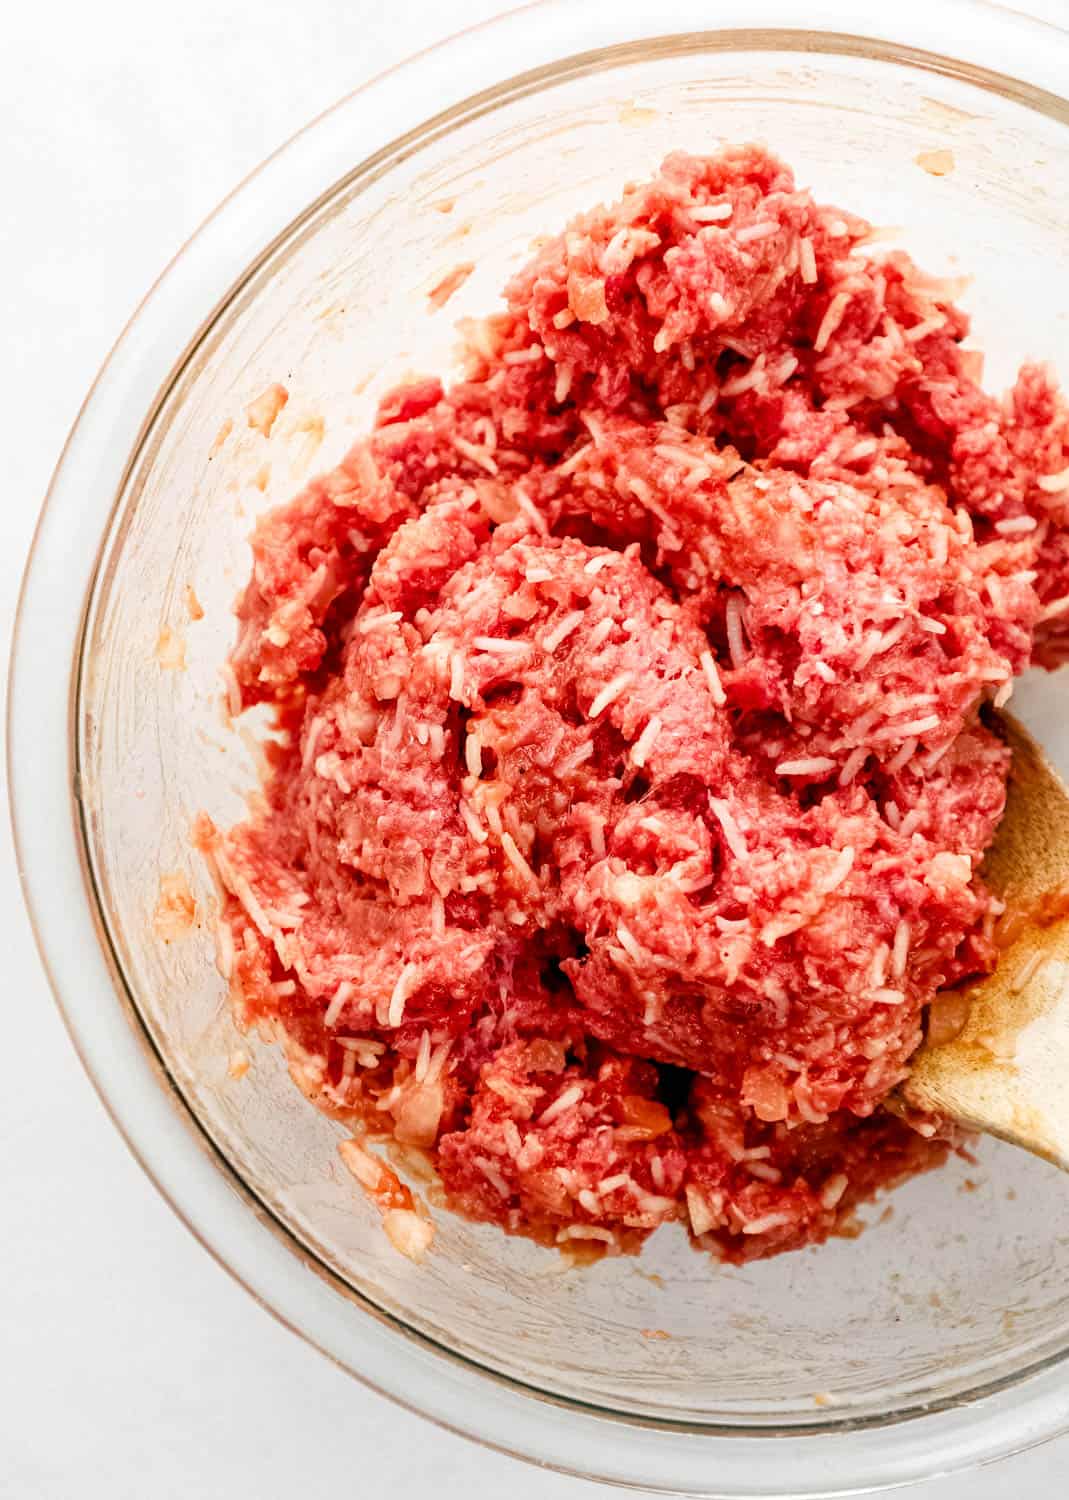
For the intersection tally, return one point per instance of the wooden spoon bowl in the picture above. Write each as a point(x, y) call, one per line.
point(1006, 1071)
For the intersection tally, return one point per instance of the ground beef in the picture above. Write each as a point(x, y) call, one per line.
point(631, 782)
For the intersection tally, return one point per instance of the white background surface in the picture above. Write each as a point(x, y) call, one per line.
point(130, 1365)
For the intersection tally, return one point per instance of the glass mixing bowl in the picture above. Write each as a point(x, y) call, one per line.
point(937, 1339)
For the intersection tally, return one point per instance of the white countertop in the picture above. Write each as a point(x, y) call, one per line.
point(130, 1364)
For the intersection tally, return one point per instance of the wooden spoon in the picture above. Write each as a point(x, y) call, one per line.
point(1007, 1070)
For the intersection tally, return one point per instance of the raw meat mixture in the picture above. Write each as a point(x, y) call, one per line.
point(632, 783)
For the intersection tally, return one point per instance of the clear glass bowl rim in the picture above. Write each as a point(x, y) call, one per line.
point(993, 46)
